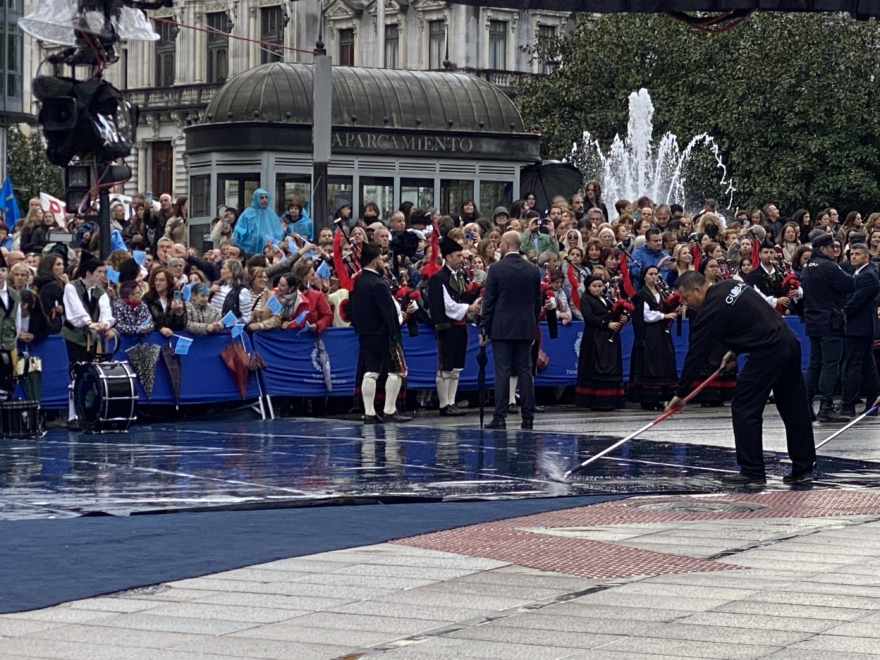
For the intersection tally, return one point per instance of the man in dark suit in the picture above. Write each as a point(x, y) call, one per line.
point(376, 321)
point(511, 305)
point(861, 328)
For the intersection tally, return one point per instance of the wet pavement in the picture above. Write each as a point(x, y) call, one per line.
point(228, 464)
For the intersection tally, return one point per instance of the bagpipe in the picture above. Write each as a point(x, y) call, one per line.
point(789, 286)
point(670, 303)
point(549, 315)
point(620, 308)
point(405, 296)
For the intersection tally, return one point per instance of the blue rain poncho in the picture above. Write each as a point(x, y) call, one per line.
point(257, 224)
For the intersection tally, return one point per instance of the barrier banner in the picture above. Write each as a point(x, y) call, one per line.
point(204, 376)
point(295, 366)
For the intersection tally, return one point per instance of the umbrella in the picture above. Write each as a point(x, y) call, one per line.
point(324, 361)
point(143, 359)
point(29, 371)
point(171, 360)
point(482, 360)
point(235, 358)
point(549, 179)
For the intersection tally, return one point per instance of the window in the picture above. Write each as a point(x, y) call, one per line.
point(346, 47)
point(392, 46)
point(436, 44)
point(340, 190)
point(218, 47)
point(13, 62)
point(165, 50)
point(453, 193)
point(236, 190)
point(418, 191)
point(271, 30)
point(495, 193)
point(498, 45)
point(290, 187)
point(200, 196)
point(379, 191)
point(546, 34)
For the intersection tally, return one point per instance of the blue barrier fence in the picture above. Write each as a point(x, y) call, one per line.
point(293, 368)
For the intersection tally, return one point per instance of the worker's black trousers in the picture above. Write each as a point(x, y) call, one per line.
point(776, 368)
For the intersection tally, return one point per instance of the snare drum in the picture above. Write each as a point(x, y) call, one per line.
point(104, 397)
point(20, 419)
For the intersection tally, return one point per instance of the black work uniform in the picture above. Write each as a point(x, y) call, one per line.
point(736, 316)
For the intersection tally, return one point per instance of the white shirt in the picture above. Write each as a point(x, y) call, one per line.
point(651, 315)
point(455, 311)
point(78, 315)
point(4, 295)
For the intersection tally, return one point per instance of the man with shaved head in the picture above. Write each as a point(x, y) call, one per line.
point(511, 306)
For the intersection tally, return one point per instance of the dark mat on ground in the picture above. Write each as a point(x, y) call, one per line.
point(46, 562)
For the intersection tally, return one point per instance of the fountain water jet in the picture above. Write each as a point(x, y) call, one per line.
point(632, 169)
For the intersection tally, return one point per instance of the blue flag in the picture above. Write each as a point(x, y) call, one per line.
point(10, 205)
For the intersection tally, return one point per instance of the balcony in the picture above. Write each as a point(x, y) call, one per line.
point(178, 97)
point(505, 80)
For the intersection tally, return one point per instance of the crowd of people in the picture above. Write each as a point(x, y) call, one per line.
point(285, 271)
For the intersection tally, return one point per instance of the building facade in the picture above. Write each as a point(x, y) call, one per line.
point(172, 80)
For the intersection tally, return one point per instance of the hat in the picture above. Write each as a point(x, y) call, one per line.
point(87, 263)
point(822, 241)
point(500, 210)
point(129, 270)
point(857, 237)
point(368, 253)
point(448, 246)
point(201, 288)
point(376, 226)
point(758, 232)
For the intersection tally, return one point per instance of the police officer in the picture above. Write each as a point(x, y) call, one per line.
point(861, 328)
point(825, 288)
point(736, 316)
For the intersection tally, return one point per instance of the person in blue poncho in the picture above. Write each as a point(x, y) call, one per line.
point(257, 223)
point(298, 221)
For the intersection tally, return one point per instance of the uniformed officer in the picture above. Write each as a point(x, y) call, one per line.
point(736, 316)
point(825, 288)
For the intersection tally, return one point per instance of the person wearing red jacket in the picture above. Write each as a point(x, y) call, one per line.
point(318, 316)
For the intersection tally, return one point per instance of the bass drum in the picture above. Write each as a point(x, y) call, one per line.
point(104, 397)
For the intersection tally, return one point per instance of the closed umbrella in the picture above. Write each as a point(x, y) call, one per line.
point(236, 360)
point(549, 179)
point(482, 361)
point(324, 362)
point(171, 360)
point(143, 359)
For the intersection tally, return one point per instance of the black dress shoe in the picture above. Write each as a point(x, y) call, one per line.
point(848, 411)
point(513, 409)
point(372, 419)
point(798, 477)
point(741, 480)
point(540, 409)
point(527, 425)
point(497, 423)
point(452, 411)
point(395, 418)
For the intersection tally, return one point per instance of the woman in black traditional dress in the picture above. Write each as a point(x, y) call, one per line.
point(652, 372)
point(600, 364)
point(720, 389)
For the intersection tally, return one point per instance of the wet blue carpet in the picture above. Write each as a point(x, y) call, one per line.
point(46, 562)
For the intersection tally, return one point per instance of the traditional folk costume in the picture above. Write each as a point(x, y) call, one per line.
point(653, 375)
point(83, 306)
point(376, 320)
point(10, 327)
point(600, 362)
point(446, 289)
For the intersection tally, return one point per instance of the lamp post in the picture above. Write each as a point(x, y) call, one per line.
point(322, 118)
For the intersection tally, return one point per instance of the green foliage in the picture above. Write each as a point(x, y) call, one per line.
point(790, 98)
point(30, 170)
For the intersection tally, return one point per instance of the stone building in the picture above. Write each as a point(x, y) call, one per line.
point(172, 80)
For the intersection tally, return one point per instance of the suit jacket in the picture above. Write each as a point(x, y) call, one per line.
point(861, 308)
point(373, 310)
point(512, 300)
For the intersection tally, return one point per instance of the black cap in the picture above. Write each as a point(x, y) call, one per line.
point(822, 241)
point(88, 263)
point(448, 246)
point(368, 253)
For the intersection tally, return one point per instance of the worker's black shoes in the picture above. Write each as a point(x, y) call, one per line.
point(793, 478)
point(827, 413)
point(741, 480)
